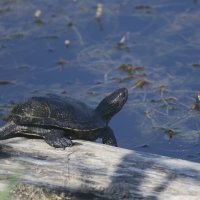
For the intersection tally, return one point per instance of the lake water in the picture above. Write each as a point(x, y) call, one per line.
point(86, 49)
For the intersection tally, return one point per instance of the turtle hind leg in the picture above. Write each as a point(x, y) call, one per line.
point(56, 139)
point(8, 130)
point(108, 137)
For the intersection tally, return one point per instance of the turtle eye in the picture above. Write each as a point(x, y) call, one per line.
point(123, 95)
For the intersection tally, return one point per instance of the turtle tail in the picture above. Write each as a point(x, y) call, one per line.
point(7, 130)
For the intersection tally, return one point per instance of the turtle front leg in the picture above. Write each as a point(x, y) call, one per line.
point(8, 130)
point(108, 137)
point(56, 139)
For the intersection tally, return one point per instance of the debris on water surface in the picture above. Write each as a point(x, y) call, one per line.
point(74, 28)
point(165, 99)
point(198, 97)
point(91, 93)
point(170, 133)
point(64, 92)
point(50, 49)
point(70, 23)
point(24, 66)
point(141, 83)
point(5, 82)
point(67, 43)
point(52, 36)
point(161, 88)
point(120, 80)
point(169, 99)
point(144, 8)
point(37, 13)
point(121, 43)
point(99, 10)
point(62, 62)
point(166, 102)
point(123, 39)
point(5, 10)
point(196, 65)
point(196, 105)
point(145, 145)
point(37, 16)
point(131, 71)
point(16, 35)
point(130, 68)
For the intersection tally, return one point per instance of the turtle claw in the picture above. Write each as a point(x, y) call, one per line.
point(64, 143)
point(108, 137)
point(57, 140)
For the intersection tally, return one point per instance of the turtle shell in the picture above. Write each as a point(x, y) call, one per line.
point(56, 111)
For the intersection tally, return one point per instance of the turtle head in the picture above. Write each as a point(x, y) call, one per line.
point(112, 104)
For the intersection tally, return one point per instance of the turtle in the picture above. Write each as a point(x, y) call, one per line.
point(59, 120)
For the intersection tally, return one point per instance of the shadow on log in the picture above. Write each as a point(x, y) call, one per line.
point(100, 171)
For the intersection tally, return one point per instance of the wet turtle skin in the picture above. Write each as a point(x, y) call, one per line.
point(61, 119)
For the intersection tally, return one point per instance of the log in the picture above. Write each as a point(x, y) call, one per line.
point(103, 171)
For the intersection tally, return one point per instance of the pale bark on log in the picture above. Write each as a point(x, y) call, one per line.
point(104, 171)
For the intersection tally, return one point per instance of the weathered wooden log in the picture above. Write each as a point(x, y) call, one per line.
point(104, 171)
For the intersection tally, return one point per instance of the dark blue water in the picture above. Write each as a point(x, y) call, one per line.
point(162, 37)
